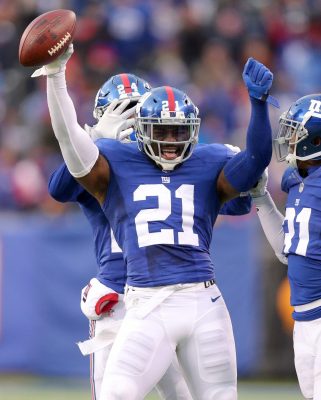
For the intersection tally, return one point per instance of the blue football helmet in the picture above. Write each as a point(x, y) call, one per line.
point(167, 126)
point(121, 86)
point(299, 135)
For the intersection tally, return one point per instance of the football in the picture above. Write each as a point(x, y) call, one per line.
point(47, 37)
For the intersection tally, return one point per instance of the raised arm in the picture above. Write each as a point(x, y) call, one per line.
point(81, 155)
point(244, 170)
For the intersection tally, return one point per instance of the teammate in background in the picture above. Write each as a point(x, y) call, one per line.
point(102, 299)
point(296, 237)
point(162, 202)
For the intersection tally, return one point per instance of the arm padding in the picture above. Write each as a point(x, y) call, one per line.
point(271, 220)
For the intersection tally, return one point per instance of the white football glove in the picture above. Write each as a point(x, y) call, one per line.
point(114, 123)
point(261, 188)
point(97, 299)
point(59, 65)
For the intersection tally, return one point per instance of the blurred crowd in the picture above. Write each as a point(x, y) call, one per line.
point(198, 46)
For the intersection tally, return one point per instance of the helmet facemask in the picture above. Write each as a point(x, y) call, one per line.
point(168, 140)
point(289, 134)
point(167, 126)
point(294, 142)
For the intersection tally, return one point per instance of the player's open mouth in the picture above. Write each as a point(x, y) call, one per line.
point(170, 152)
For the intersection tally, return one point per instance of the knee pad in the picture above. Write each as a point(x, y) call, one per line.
point(135, 347)
point(216, 356)
point(136, 353)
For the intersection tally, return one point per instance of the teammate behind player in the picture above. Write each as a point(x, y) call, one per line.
point(162, 207)
point(296, 238)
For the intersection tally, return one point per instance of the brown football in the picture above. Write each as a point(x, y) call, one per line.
point(47, 37)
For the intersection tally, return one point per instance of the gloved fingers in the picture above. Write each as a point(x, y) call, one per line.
point(248, 66)
point(70, 49)
point(267, 79)
point(38, 72)
point(55, 66)
point(262, 71)
point(111, 108)
point(129, 123)
point(63, 58)
point(255, 72)
point(122, 106)
point(66, 55)
point(128, 113)
point(125, 134)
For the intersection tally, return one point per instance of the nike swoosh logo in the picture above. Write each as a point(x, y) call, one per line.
point(213, 299)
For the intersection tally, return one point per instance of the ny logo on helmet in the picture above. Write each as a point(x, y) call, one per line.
point(315, 106)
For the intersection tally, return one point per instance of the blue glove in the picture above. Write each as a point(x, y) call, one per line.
point(258, 80)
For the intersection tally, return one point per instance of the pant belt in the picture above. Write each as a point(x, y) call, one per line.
point(163, 292)
point(176, 286)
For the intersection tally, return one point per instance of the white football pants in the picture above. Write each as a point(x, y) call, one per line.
point(172, 385)
point(192, 321)
point(307, 357)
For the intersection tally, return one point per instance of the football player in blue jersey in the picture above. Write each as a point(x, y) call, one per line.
point(296, 237)
point(102, 299)
point(162, 200)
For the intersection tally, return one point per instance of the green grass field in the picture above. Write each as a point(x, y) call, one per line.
point(33, 388)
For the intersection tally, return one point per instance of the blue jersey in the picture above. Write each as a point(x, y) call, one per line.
point(111, 268)
point(238, 206)
point(163, 221)
point(302, 234)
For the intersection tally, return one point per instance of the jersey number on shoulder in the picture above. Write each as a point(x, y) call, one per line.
point(302, 218)
point(164, 210)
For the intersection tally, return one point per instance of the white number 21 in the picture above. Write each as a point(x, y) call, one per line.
point(162, 212)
